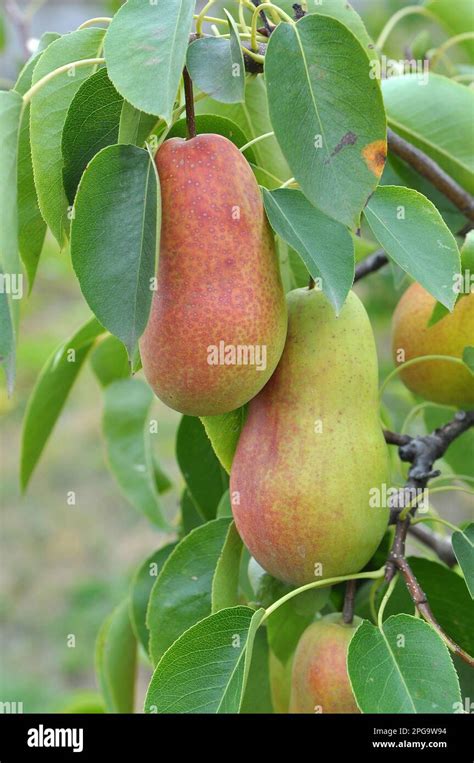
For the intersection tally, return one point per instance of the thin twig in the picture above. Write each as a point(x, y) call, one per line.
point(429, 169)
point(393, 438)
point(21, 22)
point(440, 545)
point(299, 12)
point(370, 264)
point(421, 452)
point(419, 599)
point(348, 608)
point(268, 27)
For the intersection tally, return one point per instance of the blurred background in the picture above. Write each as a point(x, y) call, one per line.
point(63, 568)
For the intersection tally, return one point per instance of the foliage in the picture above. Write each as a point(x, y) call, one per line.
point(79, 133)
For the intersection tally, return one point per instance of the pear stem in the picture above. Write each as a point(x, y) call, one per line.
point(189, 98)
point(348, 608)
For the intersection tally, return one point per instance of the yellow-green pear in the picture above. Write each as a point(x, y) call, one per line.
point(437, 380)
point(311, 464)
point(320, 681)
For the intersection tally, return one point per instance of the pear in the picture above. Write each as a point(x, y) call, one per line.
point(311, 463)
point(319, 681)
point(218, 319)
point(436, 380)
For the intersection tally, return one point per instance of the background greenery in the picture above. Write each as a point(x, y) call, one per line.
point(64, 567)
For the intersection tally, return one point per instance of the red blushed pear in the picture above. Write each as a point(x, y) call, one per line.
point(320, 681)
point(218, 319)
point(311, 459)
point(436, 380)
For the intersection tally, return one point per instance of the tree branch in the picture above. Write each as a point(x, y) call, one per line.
point(440, 545)
point(370, 264)
point(21, 23)
point(430, 170)
point(299, 12)
point(421, 452)
point(419, 599)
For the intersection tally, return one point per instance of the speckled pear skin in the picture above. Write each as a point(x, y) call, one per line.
point(300, 496)
point(218, 280)
point(435, 380)
point(320, 682)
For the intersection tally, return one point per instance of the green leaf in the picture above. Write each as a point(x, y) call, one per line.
point(135, 126)
point(117, 211)
point(116, 656)
point(109, 361)
point(206, 669)
point(190, 516)
point(50, 393)
point(49, 108)
point(204, 476)
point(287, 624)
point(402, 668)
point(425, 115)
point(257, 696)
point(468, 358)
point(294, 272)
point(155, 36)
point(224, 432)
point(23, 82)
point(345, 13)
point(448, 597)
point(225, 582)
point(413, 233)
point(467, 253)
point(162, 481)
point(82, 702)
point(224, 508)
point(333, 133)
point(127, 439)
point(463, 547)
point(253, 119)
point(7, 341)
point(182, 592)
point(216, 66)
point(218, 125)
point(456, 18)
point(31, 226)
point(10, 112)
point(398, 172)
point(92, 122)
point(10, 268)
point(140, 590)
point(324, 245)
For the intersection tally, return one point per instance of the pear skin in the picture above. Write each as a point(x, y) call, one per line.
point(311, 456)
point(218, 319)
point(320, 681)
point(435, 380)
